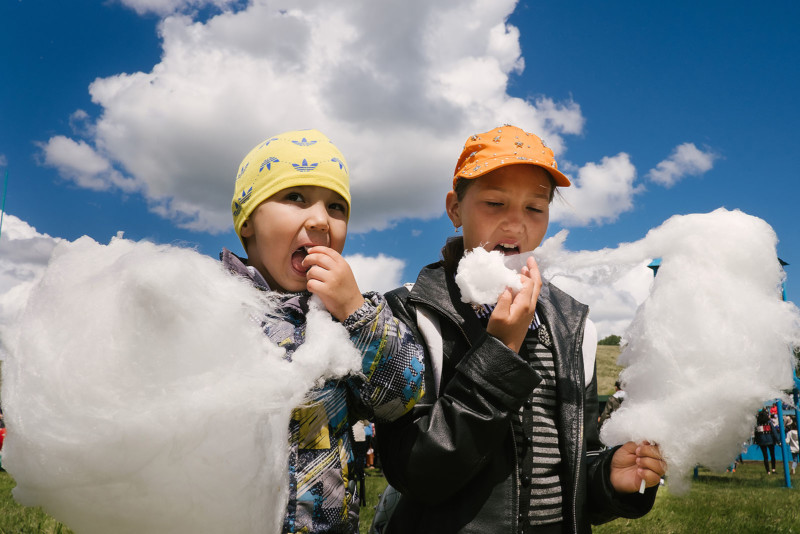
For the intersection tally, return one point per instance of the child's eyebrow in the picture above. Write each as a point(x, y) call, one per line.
point(545, 194)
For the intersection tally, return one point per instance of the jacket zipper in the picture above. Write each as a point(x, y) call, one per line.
point(515, 475)
point(579, 419)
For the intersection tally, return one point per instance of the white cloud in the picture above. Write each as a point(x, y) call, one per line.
point(685, 160)
point(599, 193)
point(397, 86)
point(613, 290)
point(3, 160)
point(24, 254)
point(379, 273)
point(612, 305)
point(81, 123)
point(166, 7)
point(80, 163)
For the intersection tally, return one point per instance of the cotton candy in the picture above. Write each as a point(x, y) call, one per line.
point(141, 394)
point(482, 276)
point(711, 343)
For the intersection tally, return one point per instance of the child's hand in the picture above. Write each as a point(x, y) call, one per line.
point(512, 316)
point(331, 279)
point(633, 463)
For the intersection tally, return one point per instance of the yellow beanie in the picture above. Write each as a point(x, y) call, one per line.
point(290, 159)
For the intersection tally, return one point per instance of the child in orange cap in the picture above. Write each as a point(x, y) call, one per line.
point(290, 209)
point(505, 438)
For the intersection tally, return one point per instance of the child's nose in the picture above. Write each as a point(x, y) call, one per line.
point(317, 217)
point(512, 219)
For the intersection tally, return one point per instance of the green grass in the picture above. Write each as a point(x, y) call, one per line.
point(18, 519)
point(745, 501)
point(607, 368)
point(375, 484)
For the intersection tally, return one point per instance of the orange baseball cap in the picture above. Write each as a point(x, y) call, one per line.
point(506, 145)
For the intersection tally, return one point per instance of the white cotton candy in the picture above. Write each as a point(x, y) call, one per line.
point(141, 394)
point(709, 345)
point(482, 276)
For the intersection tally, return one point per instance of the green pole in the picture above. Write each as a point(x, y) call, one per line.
point(3, 209)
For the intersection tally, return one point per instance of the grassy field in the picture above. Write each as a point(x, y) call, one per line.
point(745, 501)
point(607, 368)
point(742, 502)
point(16, 519)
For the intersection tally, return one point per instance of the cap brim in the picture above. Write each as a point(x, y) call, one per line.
point(491, 164)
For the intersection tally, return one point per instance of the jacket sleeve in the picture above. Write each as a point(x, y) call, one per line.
point(433, 451)
point(605, 503)
point(391, 381)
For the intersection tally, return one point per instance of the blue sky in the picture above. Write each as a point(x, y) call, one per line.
point(657, 109)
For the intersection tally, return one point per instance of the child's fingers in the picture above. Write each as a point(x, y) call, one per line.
point(317, 272)
point(327, 251)
point(525, 301)
point(656, 465)
point(503, 306)
point(319, 259)
point(533, 271)
point(649, 456)
point(648, 449)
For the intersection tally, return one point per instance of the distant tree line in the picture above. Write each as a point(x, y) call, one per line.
point(610, 340)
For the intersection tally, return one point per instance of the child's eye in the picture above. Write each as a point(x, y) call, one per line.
point(534, 209)
point(493, 204)
point(337, 206)
point(294, 196)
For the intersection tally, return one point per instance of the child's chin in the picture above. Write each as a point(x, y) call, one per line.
point(292, 286)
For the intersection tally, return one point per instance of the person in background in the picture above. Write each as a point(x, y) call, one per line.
point(792, 440)
point(612, 404)
point(2, 437)
point(360, 451)
point(765, 438)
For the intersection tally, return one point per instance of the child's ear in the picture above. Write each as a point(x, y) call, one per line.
point(247, 229)
point(453, 208)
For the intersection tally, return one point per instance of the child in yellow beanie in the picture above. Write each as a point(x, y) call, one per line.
point(290, 209)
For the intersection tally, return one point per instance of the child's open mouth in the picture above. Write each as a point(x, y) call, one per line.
point(507, 248)
point(297, 259)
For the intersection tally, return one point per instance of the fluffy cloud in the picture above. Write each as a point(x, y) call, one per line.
point(166, 7)
point(613, 290)
point(24, 253)
point(397, 86)
point(79, 162)
point(380, 273)
point(598, 194)
point(685, 160)
point(612, 305)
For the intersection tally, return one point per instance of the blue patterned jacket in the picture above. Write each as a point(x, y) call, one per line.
point(322, 494)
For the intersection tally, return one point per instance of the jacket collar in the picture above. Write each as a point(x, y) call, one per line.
point(294, 302)
point(437, 290)
point(239, 266)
